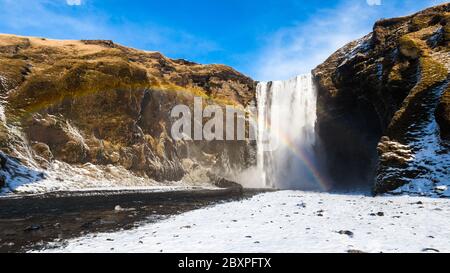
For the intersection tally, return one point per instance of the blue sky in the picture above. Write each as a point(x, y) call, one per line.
point(265, 39)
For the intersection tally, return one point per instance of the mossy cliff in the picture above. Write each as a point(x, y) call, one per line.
point(383, 105)
point(96, 102)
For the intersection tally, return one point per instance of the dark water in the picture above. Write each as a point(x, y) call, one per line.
point(31, 222)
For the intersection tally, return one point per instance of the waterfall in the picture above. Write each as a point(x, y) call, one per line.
point(286, 136)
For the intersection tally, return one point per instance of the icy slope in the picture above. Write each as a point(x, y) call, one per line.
point(289, 221)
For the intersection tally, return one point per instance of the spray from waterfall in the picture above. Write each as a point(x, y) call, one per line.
point(286, 134)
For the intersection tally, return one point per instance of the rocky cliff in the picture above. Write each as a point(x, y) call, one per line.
point(83, 114)
point(383, 106)
point(78, 114)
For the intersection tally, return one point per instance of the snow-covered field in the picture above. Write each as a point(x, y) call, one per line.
point(289, 221)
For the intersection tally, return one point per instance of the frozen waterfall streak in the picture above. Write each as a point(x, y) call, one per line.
point(286, 134)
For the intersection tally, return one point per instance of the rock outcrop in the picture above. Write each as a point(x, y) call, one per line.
point(98, 105)
point(383, 107)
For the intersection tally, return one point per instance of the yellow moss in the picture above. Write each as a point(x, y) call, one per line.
point(69, 80)
point(410, 47)
point(156, 145)
point(446, 97)
point(432, 72)
point(421, 21)
point(169, 87)
point(12, 70)
point(193, 91)
point(414, 44)
point(395, 74)
point(57, 83)
point(70, 69)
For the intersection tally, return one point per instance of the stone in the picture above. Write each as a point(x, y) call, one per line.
point(43, 151)
point(346, 232)
point(34, 227)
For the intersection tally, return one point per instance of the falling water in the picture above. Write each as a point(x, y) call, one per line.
point(286, 136)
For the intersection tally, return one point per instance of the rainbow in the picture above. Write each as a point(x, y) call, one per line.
point(321, 180)
point(297, 97)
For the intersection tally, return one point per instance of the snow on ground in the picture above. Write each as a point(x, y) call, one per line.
point(64, 177)
point(288, 221)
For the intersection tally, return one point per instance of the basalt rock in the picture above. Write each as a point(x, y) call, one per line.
point(96, 103)
point(443, 115)
point(383, 105)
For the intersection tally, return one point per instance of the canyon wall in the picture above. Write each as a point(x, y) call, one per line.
point(100, 110)
point(383, 106)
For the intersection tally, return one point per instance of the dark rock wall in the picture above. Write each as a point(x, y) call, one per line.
point(378, 94)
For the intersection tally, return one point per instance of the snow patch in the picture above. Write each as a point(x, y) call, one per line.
point(430, 159)
point(287, 221)
point(362, 46)
point(61, 176)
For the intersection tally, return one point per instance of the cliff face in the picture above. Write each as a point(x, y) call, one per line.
point(383, 107)
point(100, 111)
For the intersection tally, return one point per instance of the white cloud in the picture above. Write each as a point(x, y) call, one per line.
point(374, 2)
point(73, 2)
point(300, 48)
